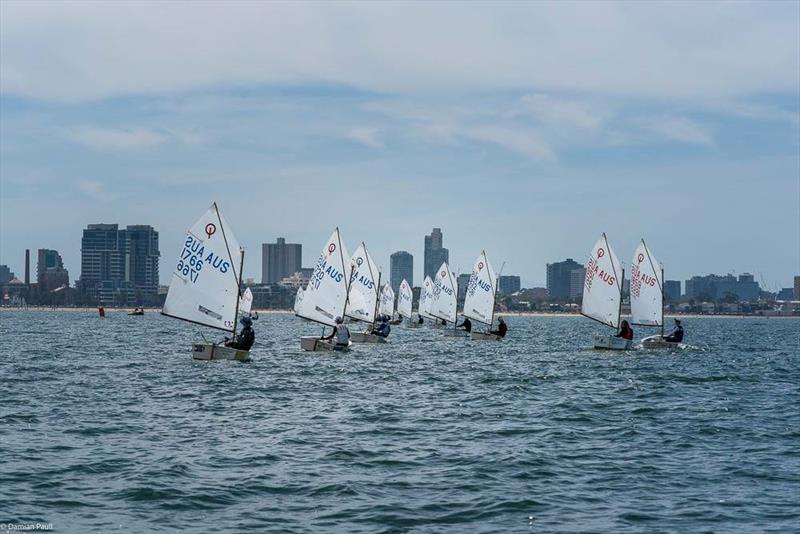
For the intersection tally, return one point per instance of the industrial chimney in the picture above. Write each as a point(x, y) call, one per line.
point(27, 267)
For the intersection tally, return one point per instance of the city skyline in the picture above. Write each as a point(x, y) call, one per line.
point(529, 148)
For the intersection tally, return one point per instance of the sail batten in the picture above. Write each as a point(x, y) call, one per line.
point(647, 293)
point(602, 288)
point(204, 288)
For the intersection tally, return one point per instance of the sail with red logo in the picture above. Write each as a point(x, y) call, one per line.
point(325, 296)
point(647, 294)
point(481, 289)
point(445, 290)
point(602, 288)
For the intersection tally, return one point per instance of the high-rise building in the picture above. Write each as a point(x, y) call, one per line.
point(27, 267)
point(559, 277)
point(714, 287)
point(280, 260)
point(5, 274)
point(50, 271)
point(577, 278)
point(463, 282)
point(120, 266)
point(797, 288)
point(401, 265)
point(435, 253)
point(508, 284)
point(672, 290)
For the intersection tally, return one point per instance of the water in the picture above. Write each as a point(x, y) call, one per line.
point(107, 424)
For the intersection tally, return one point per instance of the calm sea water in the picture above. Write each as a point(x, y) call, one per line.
point(108, 425)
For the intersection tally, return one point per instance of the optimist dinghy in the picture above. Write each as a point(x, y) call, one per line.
point(205, 286)
point(425, 302)
point(443, 300)
point(602, 293)
point(480, 297)
point(405, 296)
point(325, 297)
point(363, 295)
point(647, 296)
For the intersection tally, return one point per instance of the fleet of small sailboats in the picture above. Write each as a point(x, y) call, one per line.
point(206, 289)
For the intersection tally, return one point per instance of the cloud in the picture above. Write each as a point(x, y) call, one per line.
point(91, 187)
point(89, 50)
point(676, 129)
point(564, 112)
point(366, 136)
point(116, 139)
point(523, 142)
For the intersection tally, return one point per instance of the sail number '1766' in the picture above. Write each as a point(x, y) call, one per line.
point(191, 260)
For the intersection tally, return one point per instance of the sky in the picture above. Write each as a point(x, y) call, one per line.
point(525, 129)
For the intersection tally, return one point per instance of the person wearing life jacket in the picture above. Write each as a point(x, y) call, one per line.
point(419, 319)
point(244, 339)
point(625, 331)
point(466, 325)
point(382, 329)
point(676, 336)
point(341, 334)
point(501, 328)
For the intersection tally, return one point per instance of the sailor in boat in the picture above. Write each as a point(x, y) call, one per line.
point(501, 328)
point(625, 331)
point(676, 336)
point(419, 319)
point(244, 339)
point(340, 333)
point(399, 320)
point(466, 325)
point(382, 328)
point(444, 323)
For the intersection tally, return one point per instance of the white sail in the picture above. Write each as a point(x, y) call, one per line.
point(602, 288)
point(479, 299)
point(205, 283)
point(647, 295)
point(445, 292)
point(363, 296)
point(405, 296)
point(246, 303)
point(426, 299)
point(325, 296)
point(387, 300)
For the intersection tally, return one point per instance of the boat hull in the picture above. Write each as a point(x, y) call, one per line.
point(211, 352)
point(657, 342)
point(315, 344)
point(364, 337)
point(455, 333)
point(484, 336)
point(611, 343)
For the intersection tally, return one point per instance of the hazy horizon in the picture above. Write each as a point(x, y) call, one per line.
point(522, 129)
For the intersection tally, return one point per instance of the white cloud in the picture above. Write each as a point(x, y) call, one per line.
point(367, 136)
point(562, 112)
point(520, 141)
point(91, 187)
point(87, 50)
point(676, 129)
point(116, 139)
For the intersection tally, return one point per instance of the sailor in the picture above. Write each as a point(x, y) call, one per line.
point(625, 331)
point(676, 336)
point(340, 332)
point(467, 324)
point(419, 319)
point(245, 339)
point(444, 323)
point(501, 328)
point(382, 329)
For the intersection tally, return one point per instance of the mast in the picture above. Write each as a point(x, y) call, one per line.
point(377, 298)
point(621, 293)
point(662, 302)
point(238, 293)
point(494, 288)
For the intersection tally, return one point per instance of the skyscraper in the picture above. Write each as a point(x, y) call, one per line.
point(401, 265)
point(577, 278)
point(435, 253)
point(559, 277)
point(508, 284)
point(797, 288)
point(672, 290)
point(50, 272)
point(120, 266)
point(280, 260)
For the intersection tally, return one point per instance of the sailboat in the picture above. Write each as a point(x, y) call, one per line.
point(445, 291)
point(246, 303)
point(647, 295)
point(405, 296)
point(386, 306)
point(480, 297)
point(602, 293)
point(426, 300)
point(325, 297)
point(363, 295)
point(205, 286)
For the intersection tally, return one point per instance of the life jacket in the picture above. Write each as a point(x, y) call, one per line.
point(342, 335)
point(627, 333)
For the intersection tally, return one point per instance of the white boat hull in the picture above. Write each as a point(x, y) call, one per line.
point(609, 342)
point(209, 351)
point(315, 344)
point(657, 342)
point(455, 333)
point(364, 337)
point(484, 336)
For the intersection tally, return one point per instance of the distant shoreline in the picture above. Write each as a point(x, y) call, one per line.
point(499, 314)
